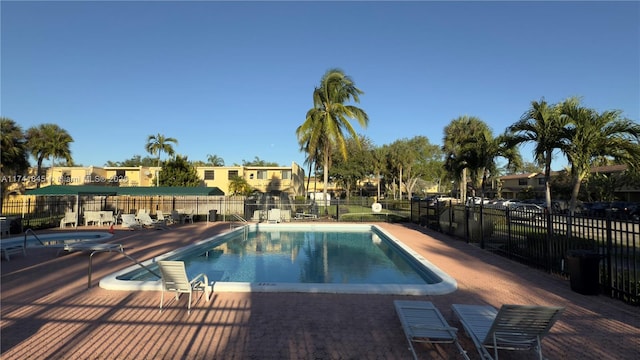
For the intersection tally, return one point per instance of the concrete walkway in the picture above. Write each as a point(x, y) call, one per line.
point(47, 311)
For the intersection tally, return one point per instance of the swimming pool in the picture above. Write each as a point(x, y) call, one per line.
point(57, 239)
point(329, 258)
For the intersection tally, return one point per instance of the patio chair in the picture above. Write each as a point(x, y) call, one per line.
point(423, 322)
point(188, 216)
point(129, 221)
point(514, 327)
point(174, 279)
point(165, 219)
point(70, 218)
point(107, 217)
point(274, 216)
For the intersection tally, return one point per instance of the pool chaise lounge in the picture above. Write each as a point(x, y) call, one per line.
point(513, 327)
point(423, 322)
point(11, 249)
point(93, 247)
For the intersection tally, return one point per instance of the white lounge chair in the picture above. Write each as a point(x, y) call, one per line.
point(129, 221)
point(92, 218)
point(70, 218)
point(145, 220)
point(274, 216)
point(423, 322)
point(174, 279)
point(106, 217)
point(514, 327)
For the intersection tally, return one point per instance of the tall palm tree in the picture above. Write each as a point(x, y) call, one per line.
point(48, 141)
point(156, 145)
point(593, 136)
point(327, 121)
point(542, 125)
point(458, 132)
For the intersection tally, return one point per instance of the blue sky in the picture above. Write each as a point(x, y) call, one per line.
point(235, 79)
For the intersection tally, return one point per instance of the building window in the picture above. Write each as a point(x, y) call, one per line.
point(251, 176)
point(262, 174)
point(121, 174)
point(209, 175)
point(523, 182)
point(541, 181)
point(286, 174)
point(232, 174)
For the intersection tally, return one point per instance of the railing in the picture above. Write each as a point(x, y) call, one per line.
point(543, 240)
point(121, 251)
point(235, 218)
point(34, 235)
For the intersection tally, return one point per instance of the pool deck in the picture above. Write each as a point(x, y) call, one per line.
point(47, 311)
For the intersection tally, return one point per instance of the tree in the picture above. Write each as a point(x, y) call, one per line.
point(239, 186)
point(348, 172)
point(594, 136)
point(48, 141)
point(328, 120)
point(378, 156)
point(542, 125)
point(179, 172)
point(214, 160)
point(15, 157)
point(13, 151)
point(157, 144)
point(136, 160)
point(258, 162)
point(459, 131)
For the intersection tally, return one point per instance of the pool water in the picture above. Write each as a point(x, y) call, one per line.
point(301, 258)
point(58, 239)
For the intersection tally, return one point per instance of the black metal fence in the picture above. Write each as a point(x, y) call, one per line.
point(544, 240)
point(47, 211)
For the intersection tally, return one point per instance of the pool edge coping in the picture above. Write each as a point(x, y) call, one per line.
point(446, 286)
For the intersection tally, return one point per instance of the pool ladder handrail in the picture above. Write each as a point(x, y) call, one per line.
point(121, 251)
point(29, 230)
point(234, 219)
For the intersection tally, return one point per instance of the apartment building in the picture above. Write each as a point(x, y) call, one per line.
point(267, 179)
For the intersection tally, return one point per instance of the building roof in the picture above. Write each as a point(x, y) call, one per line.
point(61, 190)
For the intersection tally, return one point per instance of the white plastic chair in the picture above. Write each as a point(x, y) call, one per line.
point(174, 279)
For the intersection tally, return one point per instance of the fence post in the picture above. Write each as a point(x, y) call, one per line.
point(609, 274)
point(481, 226)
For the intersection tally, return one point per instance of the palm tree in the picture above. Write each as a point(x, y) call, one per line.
point(48, 141)
point(594, 136)
point(15, 157)
point(215, 160)
point(459, 131)
point(327, 121)
point(156, 145)
point(13, 152)
point(541, 124)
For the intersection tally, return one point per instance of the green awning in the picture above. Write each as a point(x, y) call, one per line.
point(62, 190)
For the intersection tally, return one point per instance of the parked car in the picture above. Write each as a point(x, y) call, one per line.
point(527, 212)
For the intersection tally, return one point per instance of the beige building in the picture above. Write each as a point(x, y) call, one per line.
point(268, 179)
point(512, 185)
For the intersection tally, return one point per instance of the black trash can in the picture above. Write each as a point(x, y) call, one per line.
point(212, 215)
point(584, 271)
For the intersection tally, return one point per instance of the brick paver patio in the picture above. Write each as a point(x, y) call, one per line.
point(47, 311)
